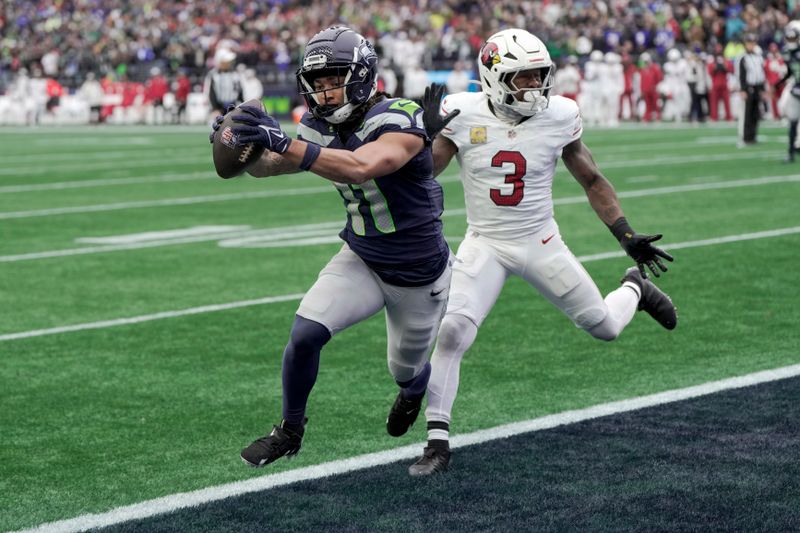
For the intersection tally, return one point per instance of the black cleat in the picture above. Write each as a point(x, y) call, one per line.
point(435, 459)
point(656, 302)
point(402, 415)
point(279, 443)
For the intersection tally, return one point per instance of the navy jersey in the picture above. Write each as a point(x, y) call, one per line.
point(393, 221)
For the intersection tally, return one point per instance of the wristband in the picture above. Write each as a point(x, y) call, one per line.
point(311, 155)
point(621, 229)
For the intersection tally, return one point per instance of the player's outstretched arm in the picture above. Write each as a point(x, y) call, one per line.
point(386, 154)
point(603, 199)
point(271, 164)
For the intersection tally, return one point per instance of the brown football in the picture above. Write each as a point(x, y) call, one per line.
point(231, 159)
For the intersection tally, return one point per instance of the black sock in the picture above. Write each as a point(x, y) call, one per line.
point(300, 367)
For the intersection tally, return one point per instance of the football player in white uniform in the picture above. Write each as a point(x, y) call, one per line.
point(507, 140)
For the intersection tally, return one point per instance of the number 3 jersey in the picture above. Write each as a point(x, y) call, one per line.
point(393, 221)
point(507, 170)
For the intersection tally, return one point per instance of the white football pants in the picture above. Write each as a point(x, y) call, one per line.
point(347, 292)
point(481, 268)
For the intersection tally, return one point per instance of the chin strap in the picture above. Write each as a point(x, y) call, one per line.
point(506, 114)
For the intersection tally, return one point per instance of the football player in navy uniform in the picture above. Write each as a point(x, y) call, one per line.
point(791, 97)
point(377, 154)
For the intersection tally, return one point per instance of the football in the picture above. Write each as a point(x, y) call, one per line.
point(231, 159)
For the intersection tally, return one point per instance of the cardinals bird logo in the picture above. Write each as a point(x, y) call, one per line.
point(489, 55)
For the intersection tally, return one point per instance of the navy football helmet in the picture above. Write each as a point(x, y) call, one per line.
point(338, 51)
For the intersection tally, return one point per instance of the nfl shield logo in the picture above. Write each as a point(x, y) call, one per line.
point(228, 138)
point(512, 134)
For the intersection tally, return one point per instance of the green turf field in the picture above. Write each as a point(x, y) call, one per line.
point(99, 411)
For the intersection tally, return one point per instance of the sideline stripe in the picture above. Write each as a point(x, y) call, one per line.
point(297, 296)
point(198, 497)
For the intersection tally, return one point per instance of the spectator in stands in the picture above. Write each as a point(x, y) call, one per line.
point(92, 92)
point(458, 79)
point(155, 90)
point(414, 81)
point(719, 69)
point(568, 79)
point(675, 87)
point(613, 87)
point(627, 100)
point(775, 70)
point(650, 76)
point(181, 87)
point(252, 87)
point(387, 79)
point(698, 81)
point(592, 89)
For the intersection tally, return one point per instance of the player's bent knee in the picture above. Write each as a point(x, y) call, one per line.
point(598, 323)
point(307, 337)
point(607, 330)
point(456, 335)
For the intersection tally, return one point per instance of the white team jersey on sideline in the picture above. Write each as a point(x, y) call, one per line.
point(507, 171)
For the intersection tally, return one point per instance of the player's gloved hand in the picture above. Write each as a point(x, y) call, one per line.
point(261, 129)
point(215, 127)
point(218, 122)
point(640, 247)
point(431, 101)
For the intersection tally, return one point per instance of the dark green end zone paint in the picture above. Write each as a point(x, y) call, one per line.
point(725, 462)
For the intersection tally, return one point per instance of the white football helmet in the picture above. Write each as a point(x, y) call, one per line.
point(674, 55)
point(504, 55)
point(791, 36)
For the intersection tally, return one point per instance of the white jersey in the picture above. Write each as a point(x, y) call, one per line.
point(507, 171)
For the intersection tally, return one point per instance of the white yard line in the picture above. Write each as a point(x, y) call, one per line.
point(288, 297)
point(108, 182)
point(137, 161)
point(293, 192)
point(615, 163)
point(162, 203)
point(195, 498)
point(149, 318)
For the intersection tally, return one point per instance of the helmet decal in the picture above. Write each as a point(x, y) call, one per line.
point(490, 55)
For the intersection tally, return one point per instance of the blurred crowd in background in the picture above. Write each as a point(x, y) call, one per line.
point(143, 60)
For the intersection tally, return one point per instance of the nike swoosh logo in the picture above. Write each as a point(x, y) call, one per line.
point(436, 293)
point(545, 241)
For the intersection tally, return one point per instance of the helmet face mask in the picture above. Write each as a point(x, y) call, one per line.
point(505, 60)
point(338, 52)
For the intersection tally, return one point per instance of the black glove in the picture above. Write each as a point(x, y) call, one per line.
point(434, 122)
point(640, 247)
point(261, 129)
